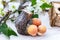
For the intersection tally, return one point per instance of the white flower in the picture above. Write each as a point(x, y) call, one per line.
point(1, 10)
point(14, 15)
point(2, 13)
point(29, 7)
point(13, 6)
point(39, 3)
point(1, 6)
point(6, 9)
point(27, 4)
point(37, 10)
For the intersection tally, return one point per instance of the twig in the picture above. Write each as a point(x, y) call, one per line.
point(9, 13)
point(5, 17)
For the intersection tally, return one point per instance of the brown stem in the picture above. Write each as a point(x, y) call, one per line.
point(5, 17)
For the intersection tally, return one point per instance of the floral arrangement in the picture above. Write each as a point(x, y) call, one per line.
point(9, 10)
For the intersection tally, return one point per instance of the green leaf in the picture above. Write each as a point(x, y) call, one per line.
point(19, 11)
point(11, 32)
point(6, 30)
point(2, 13)
point(33, 2)
point(35, 16)
point(1, 9)
point(32, 12)
point(12, 0)
point(45, 5)
point(43, 0)
point(12, 20)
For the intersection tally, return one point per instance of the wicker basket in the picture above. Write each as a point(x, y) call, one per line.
point(54, 14)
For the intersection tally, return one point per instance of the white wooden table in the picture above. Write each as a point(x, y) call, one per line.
point(51, 33)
